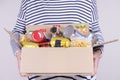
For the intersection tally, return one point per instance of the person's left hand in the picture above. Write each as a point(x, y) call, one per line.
point(96, 58)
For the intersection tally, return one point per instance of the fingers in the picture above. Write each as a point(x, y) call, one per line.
point(18, 55)
point(96, 58)
point(96, 63)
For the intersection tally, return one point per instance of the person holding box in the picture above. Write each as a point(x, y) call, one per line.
point(34, 12)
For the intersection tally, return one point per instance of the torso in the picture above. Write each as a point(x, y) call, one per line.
point(58, 11)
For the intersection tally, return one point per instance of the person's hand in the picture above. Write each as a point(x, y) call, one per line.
point(18, 56)
point(96, 58)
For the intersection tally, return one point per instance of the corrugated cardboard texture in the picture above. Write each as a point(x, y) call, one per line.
point(57, 60)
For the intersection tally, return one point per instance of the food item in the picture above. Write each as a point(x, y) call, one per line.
point(80, 43)
point(81, 35)
point(23, 38)
point(56, 31)
point(30, 35)
point(44, 44)
point(30, 45)
point(68, 31)
point(59, 42)
point(38, 35)
point(82, 28)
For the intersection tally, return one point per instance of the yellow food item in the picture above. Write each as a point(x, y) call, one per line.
point(82, 28)
point(80, 43)
point(23, 38)
point(30, 44)
point(59, 42)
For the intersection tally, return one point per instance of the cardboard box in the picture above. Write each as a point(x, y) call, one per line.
point(47, 60)
point(57, 60)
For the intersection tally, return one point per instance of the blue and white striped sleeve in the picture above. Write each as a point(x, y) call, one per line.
point(19, 27)
point(95, 23)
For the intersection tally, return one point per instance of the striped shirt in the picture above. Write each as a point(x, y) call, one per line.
point(33, 12)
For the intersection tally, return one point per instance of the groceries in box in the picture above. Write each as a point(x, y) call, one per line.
point(58, 35)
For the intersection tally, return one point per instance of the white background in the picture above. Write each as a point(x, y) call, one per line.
point(109, 15)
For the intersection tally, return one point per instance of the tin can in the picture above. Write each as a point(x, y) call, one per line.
point(38, 35)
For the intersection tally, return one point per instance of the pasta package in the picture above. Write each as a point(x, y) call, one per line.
point(80, 43)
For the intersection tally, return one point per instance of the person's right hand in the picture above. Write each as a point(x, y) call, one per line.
point(18, 56)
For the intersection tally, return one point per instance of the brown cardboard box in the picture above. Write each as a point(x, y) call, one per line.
point(73, 60)
point(57, 60)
